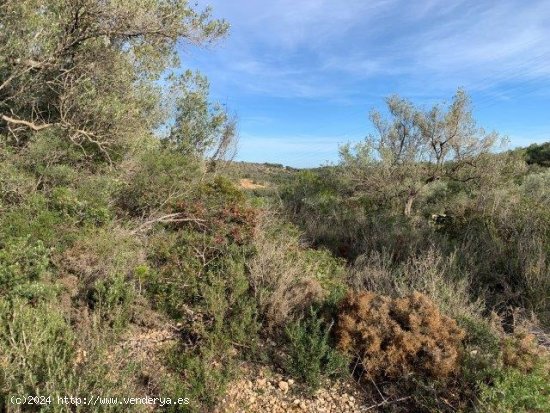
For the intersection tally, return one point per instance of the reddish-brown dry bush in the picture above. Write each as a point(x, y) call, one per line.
point(396, 337)
point(520, 351)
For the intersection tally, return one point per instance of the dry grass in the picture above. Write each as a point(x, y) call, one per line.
point(431, 274)
point(284, 282)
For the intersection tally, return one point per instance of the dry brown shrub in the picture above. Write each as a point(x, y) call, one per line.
point(520, 351)
point(396, 337)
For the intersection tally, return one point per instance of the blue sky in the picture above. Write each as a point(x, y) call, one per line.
point(302, 75)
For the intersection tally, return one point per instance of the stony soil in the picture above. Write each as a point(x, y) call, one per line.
point(266, 392)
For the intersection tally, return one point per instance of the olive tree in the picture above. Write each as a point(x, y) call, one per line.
point(200, 127)
point(89, 69)
point(414, 147)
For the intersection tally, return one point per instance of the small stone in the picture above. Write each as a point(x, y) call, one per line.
point(283, 386)
point(290, 382)
point(296, 402)
point(303, 405)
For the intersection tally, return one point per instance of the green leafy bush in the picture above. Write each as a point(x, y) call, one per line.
point(310, 353)
point(36, 350)
point(513, 391)
point(23, 264)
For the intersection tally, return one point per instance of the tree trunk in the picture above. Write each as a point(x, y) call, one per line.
point(409, 204)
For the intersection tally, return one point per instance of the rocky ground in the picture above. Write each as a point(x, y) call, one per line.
point(264, 391)
point(258, 390)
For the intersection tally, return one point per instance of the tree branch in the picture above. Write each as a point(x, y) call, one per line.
point(168, 219)
point(30, 125)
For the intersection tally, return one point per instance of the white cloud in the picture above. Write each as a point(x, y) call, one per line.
point(320, 48)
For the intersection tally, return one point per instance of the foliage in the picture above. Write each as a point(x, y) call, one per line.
point(119, 222)
point(200, 128)
point(288, 278)
point(538, 154)
point(416, 147)
point(310, 353)
point(23, 265)
point(513, 391)
point(157, 177)
point(57, 70)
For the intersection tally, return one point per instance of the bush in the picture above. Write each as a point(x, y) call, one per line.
point(538, 154)
point(36, 350)
point(23, 266)
point(155, 179)
point(430, 273)
point(200, 375)
point(513, 391)
point(15, 185)
point(103, 262)
point(42, 354)
point(310, 355)
point(397, 337)
point(287, 278)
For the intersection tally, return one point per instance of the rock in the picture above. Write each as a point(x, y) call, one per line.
point(290, 382)
point(283, 386)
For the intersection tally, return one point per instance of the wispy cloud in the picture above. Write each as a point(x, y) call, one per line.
point(292, 48)
point(351, 54)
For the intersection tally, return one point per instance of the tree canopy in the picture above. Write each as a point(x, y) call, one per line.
point(90, 69)
point(414, 147)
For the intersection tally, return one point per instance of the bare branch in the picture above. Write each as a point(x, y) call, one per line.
point(168, 219)
point(30, 125)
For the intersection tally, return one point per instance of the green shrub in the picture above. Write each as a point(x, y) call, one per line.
point(84, 205)
point(513, 391)
point(310, 354)
point(34, 219)
point(481, 358)
point(159, 177)
point(538, 154)
point(42, 354)
point(103, 262)
point(112, 298)
point(22, 265)
point(36, 350)
point(15, 185)
point(201, 375)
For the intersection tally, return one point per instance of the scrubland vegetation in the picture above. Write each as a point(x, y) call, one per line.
point(418, 267)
